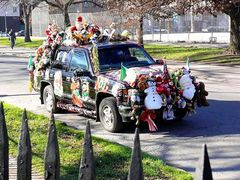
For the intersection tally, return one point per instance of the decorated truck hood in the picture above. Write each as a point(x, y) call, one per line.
point(133, 74)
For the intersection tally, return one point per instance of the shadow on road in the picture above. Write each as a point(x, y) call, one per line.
point(220, 118)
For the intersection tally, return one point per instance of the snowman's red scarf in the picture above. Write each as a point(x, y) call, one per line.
point(148, 116)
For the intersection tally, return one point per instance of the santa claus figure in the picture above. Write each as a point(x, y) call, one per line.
point(188, 87)
point(79, 23)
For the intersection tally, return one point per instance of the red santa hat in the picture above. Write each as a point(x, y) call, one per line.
point(79, 19)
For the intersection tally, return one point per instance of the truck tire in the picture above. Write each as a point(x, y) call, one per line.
point(109, 116)
point(49, 99)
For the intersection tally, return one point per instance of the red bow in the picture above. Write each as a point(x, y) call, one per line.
point(148, 117)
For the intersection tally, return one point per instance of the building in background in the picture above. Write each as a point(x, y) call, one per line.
point(40, 20)
point(10, 17)
point(189, 23)
point(45, 14)
point(204, 28)
point(188, 27)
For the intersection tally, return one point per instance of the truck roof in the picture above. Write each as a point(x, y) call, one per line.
point(103, 45)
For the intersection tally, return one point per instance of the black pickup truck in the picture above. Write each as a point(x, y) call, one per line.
point(128, 79)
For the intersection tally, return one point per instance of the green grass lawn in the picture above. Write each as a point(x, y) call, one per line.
point(4, 41)
point(176, 52)
point(112, 159)
point(169, 52)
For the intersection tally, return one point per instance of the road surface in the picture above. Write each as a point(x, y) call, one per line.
point(178, 144)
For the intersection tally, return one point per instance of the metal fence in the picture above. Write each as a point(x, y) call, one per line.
point(87, 164)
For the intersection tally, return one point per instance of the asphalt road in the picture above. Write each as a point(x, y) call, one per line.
point(178, 143)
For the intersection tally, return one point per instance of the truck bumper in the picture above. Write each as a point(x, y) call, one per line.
point(127, 111)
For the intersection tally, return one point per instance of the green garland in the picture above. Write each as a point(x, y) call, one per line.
point(95, 58)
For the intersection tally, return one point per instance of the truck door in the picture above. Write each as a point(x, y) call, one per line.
point(81, 82)
point(58, 68)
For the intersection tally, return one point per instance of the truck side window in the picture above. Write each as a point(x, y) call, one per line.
point(78, 61)
point(60, 60)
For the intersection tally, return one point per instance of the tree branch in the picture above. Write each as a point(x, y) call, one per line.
point(88, 1)
point(57, 5)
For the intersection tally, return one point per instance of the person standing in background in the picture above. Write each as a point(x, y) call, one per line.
point(12, 38)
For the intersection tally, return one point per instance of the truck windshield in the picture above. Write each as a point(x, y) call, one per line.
point(112, 58)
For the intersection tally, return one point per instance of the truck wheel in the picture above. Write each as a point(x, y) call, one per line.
point(109, 115)
point(49, 99)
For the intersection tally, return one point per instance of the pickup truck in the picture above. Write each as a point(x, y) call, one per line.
point(71, 83)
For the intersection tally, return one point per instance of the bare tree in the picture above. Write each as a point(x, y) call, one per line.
point(138, 9)
point(63, 6)
point(27, 7)
point(231, 8)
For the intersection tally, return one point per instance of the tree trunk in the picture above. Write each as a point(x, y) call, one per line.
point(234, 33)
point(140, 31)
point(66, 17)
point(27, 28)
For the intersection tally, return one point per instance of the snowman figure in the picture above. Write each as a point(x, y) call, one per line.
point(188, 87)
point(153, 100)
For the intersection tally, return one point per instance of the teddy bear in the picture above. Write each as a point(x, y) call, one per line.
point(201, 95)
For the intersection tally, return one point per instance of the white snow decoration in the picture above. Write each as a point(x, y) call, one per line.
point(153, 100)
point(188, 87)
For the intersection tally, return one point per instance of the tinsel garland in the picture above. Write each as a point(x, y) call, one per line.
point(95, 58)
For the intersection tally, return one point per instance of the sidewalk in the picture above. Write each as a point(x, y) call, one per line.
point(13, 171)
point(187, 44)
point(16, 51)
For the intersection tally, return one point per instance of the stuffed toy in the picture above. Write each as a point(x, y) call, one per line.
point(48, 33)
point(142, 83)
point(85, 26)
point(79, 23)
point(201, 95)
point(126, 34)
point(105, 36)
point(181, 103)
point(94, 31)
point(188, 87)
point(153, 100)
point(168, 113)
point(148, 116)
